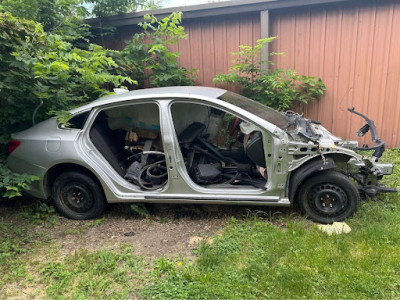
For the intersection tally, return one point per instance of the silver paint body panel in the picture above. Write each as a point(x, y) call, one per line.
point(47, 145)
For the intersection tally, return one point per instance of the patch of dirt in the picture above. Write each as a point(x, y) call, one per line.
point(169, 230)
point(153, 237)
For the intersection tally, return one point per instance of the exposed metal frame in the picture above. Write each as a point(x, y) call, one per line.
point(210, 9)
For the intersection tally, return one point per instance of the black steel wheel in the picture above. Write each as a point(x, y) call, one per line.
point(329, 197)
point(77, 196)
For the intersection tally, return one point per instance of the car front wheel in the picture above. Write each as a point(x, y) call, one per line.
point(77, 196)
point(329, 197)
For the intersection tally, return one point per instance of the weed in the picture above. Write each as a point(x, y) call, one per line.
point(163, 265)
point(39, 213)
point(81, 229)
point(141, 210)
point(101, 274)
point(255, 214)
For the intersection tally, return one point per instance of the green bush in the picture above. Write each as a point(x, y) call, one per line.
point(38, 67)
point(12, 184)
point(276, 88)
point(146, 56)
point(57, 17)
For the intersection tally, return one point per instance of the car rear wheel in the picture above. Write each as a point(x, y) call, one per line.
point(77, 196)
point(329, 197)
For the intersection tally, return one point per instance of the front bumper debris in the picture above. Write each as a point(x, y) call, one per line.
point(373, 190)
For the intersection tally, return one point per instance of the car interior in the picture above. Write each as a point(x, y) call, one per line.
point(218, 148)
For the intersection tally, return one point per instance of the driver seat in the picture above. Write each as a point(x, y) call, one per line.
point(255, 149)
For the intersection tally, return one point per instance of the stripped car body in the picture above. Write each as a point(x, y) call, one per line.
point(193, 140)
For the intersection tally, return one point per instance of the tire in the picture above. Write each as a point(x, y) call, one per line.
point(329, 197)
point(77, 196)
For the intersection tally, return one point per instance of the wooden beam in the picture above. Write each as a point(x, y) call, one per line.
point(264, 23)
point(211, 9)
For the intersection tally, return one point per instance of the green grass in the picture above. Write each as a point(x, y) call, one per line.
point(101, 274)
point(15, 240)
point(253, 258)
point(256, 259)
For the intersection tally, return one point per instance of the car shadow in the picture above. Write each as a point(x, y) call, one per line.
point(160, 211)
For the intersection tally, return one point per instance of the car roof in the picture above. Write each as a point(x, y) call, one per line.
point(162, 92)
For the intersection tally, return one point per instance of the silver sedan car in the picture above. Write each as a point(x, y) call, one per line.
point(194, 145)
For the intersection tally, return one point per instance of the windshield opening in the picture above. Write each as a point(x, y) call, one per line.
point(260, 110)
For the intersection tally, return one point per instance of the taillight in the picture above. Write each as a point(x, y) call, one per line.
point(12, 145)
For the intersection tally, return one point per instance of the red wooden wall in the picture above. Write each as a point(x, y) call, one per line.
point(354, 47)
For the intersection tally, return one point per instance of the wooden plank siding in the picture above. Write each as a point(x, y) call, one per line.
point(212, 41)
point(355, 50)
point(209, 44)
point(354, 46)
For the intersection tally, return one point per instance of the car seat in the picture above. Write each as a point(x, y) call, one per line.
point(108, 142)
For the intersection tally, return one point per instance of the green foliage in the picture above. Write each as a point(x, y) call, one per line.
point(66, 73)
point(36, 66)
point(39, 213)
point(147, 57)
point(151, 4)
point(141, 210)
point(12, 184)
point(105, 8)
point(276, 88)
point(63, 17)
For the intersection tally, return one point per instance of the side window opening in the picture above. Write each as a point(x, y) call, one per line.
point(77, 121)
point(129, 138)
point(219, 149)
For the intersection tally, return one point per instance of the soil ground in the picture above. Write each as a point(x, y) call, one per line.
point(169, 230)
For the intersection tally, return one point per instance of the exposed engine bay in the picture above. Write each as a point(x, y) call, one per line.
point(340, 154)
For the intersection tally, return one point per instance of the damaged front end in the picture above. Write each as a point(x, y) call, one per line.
point(369, 172)
point(346, 156)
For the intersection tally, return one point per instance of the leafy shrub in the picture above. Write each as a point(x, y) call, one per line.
point(11, 184)
point(141, 210)
point(146, 56)
point(277, 88)
point(39, 213)
point(59, 17)
point(38, 67)
point(104, 8)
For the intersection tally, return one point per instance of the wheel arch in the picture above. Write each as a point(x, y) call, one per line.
point(58, 169)
point(313, 167)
